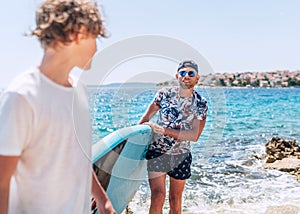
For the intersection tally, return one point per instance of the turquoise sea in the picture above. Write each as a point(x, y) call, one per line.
point(228, 174)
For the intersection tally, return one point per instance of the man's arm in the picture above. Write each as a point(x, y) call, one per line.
point(150, 112)
point(103, 203)
point(8, 166)
point(190, 135)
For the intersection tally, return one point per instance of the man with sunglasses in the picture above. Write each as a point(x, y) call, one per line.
point(181, 119)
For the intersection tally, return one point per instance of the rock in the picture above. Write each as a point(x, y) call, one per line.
point(283, 155)
point(271, 159)
point(286, 164)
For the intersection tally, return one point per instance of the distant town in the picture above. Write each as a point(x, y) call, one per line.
point(274, 79)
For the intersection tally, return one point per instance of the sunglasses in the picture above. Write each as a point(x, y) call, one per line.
point(190, 73)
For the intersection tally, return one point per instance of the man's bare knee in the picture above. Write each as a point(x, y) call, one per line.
point(158, 193)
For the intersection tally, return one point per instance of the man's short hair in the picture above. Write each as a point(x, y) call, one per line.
point(187, 63)
point(60, 20)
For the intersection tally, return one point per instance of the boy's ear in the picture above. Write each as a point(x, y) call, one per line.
point(81, 34)
point(176, 75)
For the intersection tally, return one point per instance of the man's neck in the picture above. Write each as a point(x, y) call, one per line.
point(185, 92)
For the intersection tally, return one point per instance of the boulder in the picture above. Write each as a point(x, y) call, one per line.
point(283, 155)
point(278, 148)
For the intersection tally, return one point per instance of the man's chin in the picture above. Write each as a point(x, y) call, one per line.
point(183, 86)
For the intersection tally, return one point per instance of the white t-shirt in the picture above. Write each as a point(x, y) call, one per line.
point(48, 126)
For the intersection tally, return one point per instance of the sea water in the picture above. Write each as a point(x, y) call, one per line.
point(227, 171)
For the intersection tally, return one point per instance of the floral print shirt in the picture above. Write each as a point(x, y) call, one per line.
point(177, 113)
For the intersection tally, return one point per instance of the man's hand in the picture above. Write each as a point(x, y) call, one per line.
point(155, 127)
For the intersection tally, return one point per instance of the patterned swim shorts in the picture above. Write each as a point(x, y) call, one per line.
point(176, 166)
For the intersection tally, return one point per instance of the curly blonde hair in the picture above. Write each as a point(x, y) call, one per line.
point(59, 20)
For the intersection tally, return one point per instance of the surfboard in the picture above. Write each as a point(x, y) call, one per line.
point(119, 163)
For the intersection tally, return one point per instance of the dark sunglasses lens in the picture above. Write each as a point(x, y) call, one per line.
point(182, 73)
point(191, 73)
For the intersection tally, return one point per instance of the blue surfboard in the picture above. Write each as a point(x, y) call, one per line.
point(119, 163)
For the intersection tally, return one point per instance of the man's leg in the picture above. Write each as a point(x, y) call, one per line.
point(157, 181)
point(175, 195)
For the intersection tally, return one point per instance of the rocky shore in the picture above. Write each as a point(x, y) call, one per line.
point(283, 155)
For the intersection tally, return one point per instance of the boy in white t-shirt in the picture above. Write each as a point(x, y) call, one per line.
point(45, 131)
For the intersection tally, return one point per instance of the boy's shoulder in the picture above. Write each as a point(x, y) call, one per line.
point(24, 82)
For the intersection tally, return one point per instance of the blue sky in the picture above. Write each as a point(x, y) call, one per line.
point(233, 35)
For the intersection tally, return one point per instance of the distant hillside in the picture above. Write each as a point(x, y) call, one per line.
point(272, 79)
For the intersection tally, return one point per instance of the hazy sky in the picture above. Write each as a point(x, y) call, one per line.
point(233, 35)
